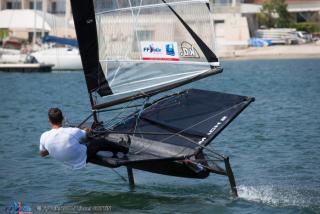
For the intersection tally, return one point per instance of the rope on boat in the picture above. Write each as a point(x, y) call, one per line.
point(138, 113)
point(121, 176)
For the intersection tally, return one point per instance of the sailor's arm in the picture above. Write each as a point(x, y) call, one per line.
point(83, 133)
point(42, 149)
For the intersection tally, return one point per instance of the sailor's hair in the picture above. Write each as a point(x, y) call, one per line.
point(55, 116)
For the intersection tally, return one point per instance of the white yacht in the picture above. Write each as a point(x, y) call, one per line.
point(63, 58)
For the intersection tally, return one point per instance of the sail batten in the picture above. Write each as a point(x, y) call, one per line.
point(151, 6)
point(185, 76)
point(216, 64)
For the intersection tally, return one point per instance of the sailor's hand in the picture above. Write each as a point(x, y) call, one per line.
point(86, 129)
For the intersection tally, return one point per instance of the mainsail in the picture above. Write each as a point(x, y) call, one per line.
point(137, 48)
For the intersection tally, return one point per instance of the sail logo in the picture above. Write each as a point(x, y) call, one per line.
point(151, 49)
point(188, 51)
point(170, 49)
point(154, 50)
point(213, 129)
point(17, 208)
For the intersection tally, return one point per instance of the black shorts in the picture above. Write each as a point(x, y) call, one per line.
point(103, 144)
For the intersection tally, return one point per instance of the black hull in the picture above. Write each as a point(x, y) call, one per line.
point(170, 168)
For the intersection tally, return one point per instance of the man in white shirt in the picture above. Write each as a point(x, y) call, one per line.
point(64, 143)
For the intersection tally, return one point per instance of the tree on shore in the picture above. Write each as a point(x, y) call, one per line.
point(274, 13)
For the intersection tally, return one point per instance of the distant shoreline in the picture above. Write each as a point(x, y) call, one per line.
point(305, 51)
point(268, 57)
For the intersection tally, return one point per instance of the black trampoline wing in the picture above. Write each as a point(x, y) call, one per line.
point(179, 125)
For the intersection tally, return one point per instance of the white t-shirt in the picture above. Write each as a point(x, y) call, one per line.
point(63, 145)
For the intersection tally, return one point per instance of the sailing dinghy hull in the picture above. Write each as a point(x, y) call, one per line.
point(169, 136)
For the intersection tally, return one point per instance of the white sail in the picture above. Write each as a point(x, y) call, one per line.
point(143, 44)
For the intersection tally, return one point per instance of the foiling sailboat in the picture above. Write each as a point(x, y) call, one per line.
point(134, 51)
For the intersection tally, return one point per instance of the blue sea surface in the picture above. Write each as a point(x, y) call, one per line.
point(274, 147)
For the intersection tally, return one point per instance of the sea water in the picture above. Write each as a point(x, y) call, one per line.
point(274, 148)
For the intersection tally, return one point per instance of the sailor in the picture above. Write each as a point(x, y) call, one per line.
point(72, 146)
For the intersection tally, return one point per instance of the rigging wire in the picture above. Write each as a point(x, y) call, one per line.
point(120, 108)
point(139, 113)
point(115, 120)
point(179, 134)
point(202, 121)
point(121, 176)
point(202, 146)
point(85, 120)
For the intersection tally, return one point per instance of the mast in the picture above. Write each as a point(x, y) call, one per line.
point(85, 25)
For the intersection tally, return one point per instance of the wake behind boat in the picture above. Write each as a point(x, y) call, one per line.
point(134, 51)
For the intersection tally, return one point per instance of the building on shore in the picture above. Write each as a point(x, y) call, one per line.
point(56, 7)
point(300, 11)
point(230, 26)
point(55, 16)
